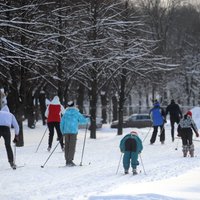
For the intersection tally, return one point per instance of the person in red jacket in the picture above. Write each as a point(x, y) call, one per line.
point(53, 114)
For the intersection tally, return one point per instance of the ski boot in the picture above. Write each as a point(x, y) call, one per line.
point(49, 149)
point(70, 163)
point(134, 172)
point(191, 150)
point(13, 166)
point(185, 150)
point(126, 172)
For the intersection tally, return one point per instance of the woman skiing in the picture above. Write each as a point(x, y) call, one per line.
point(53, 114)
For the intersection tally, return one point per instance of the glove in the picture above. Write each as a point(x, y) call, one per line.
point(16, 139)
point(59, 138)
point(165, 121)
point(197, 134)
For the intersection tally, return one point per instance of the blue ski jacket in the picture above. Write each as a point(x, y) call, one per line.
point(70, 121)
point(157, 114)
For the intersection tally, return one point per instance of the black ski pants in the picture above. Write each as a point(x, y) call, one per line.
point(186, 136)
point(154, 134)
point(51, 126)
point(172, 122)
point(5, 133)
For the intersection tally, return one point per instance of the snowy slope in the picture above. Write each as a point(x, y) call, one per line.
point(168, 174)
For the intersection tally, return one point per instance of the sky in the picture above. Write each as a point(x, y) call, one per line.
point(168, 175)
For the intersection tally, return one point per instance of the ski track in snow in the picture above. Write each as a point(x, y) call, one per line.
point(52, 182)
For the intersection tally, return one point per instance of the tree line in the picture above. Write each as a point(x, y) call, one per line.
point(95, 51)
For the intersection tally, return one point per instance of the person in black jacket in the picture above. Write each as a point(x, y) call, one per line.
point(175, 115)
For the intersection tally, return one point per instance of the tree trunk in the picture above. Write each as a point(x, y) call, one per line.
point(115, 108)
point(104, 107)
point(42, 101)
point(16, 107)
point(140, 102)
point(93, 103)
point(80, 97)
point(30, 111)
point(121, 102)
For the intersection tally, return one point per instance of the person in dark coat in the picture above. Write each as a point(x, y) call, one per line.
point(185, 131)
point(131, 146)
point(175, 113)
point(158, 117)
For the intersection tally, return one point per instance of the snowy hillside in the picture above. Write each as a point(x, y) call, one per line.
point(168, 174)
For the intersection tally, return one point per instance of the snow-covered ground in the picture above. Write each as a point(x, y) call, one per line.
point(168, 174)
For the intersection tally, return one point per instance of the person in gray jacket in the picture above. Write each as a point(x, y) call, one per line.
point(7, 120)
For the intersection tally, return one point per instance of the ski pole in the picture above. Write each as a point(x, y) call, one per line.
point(15, 153)
point(147, 134)
point(119, 163)
point(177, 145)
point(81, 163)
point(41, 140)
point(42, 166)
point(142, 164)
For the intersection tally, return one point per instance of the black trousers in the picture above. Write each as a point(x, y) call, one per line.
point(186, 136)
point(172, 122)
point(51, 126)
point(155, 131)
point(5, 133)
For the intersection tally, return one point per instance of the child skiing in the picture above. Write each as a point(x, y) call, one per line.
point(185, 128)
point(131, 146)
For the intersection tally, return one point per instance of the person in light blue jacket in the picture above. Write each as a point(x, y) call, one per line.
point(8, 120)
point(69, 128)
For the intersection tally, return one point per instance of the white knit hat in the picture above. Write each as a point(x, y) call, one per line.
point(70, 103)
point(133, 133)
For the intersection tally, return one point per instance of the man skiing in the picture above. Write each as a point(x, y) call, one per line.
point(7, 120)
point(69, 128)
point(131, 146)
point(185, 128)
point(175, 115)
point(158, 116)
point(53, 115)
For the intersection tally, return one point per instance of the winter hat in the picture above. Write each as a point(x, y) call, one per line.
point(133, 133)
point(172, 101)
point(70, 103)
point(189, 113)
point(55, 100)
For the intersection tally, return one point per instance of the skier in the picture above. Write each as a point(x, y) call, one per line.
point(131, 146)
point(185, 128)
point(53, 115)
point(175, 115)
point(8, 120)
point(158, 116)
point(69, 128)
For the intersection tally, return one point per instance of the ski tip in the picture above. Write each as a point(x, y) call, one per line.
point(42, 166)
